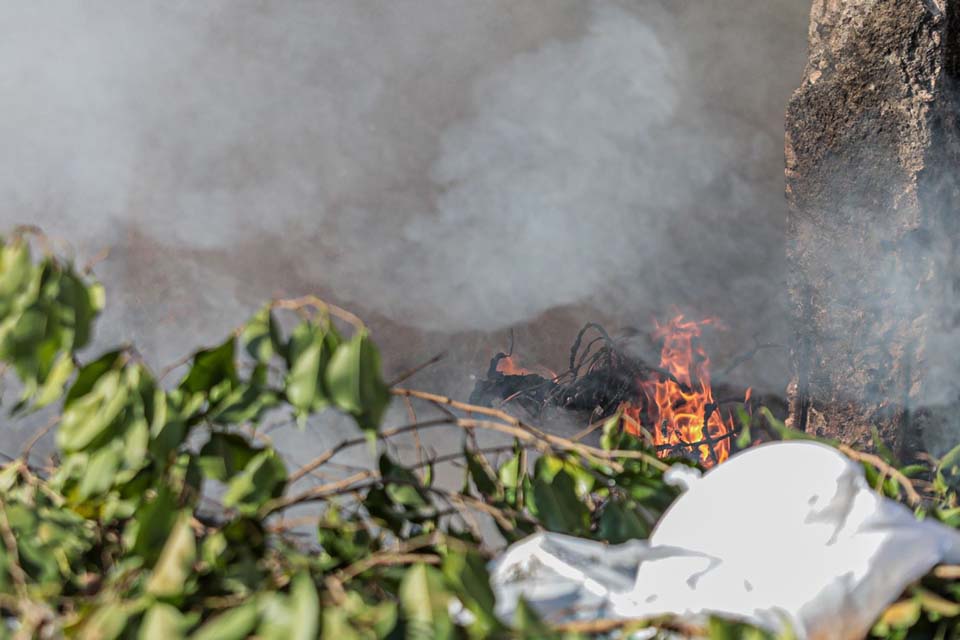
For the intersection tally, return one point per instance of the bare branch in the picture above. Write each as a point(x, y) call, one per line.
point(913, 498)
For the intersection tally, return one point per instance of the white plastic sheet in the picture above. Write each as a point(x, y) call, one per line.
point(784, 535)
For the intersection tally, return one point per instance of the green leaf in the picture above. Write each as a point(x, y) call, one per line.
point(401, 484)
point(244, 404)
point(235, 624)
point(306, 607)
point(424, 602)
point(89, 374)
point(52, 387)
point(727, 630)
point(620, 522)
point(146, 532)
point(528, 622)
point(556, 505)
point(16, 272)
point(100, 471)
point(163, 622)
point(511, 476)
point(429, 474)
point(106, 623)
point(212, 367)
point(882, 449)
point(261, 336)
point(466, 573)
point(275, 617)
point(786, 433)
point(212, 550)
point(90, 417)
point(343, 542)
point(167, 429)
point(85, 301)
point(308, 355)
point(913, 470)
point(549, 466)
point(225, 455)
point(652, 493)
point(26, 336)
point(611, 432)
point(345, 373)
point(354, 381)
point(745, 439)
point(483, 477)
point(175, 563)
point(355, 620)
point(262, 479)
point(509, 472)
point(948, 471)
point(336, 624)
point(136, 441)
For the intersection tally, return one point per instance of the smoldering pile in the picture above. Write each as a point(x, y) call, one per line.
point(673, 404)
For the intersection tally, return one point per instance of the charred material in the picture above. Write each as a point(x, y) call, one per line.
point(603, 379)
point(529, 390)
point(601, 376)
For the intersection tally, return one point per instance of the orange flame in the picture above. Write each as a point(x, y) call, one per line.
point(682, 408)
point(509, 367)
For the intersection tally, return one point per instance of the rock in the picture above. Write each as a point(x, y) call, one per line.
point(871, 149)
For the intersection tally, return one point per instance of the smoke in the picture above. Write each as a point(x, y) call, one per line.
point(587, 169)
point(453, 166)
point(564, 184)
point(205, 125)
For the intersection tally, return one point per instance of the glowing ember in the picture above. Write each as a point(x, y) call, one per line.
point(508, 366)
point(681, 409)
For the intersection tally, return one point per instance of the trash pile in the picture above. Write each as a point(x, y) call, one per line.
point(787, 536)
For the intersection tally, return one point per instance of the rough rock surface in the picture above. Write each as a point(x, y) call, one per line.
point(870, 152)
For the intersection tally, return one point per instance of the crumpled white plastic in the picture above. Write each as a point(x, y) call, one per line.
point(785, 535)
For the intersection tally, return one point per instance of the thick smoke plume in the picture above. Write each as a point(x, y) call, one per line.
point(452, 166)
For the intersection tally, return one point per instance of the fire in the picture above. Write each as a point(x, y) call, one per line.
point(681, 406)
point(508, 366)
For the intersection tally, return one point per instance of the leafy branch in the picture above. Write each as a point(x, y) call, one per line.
point(168, 511)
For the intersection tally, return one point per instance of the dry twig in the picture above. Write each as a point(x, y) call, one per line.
point(297, 304)
point(394, 555)
point(606, 625)
point(913, 497)
point(947, 572)
point(517, 428)
point(388, 559)
point(16, 571)
point(353, 442)
point(409, 373)
point(37, 436)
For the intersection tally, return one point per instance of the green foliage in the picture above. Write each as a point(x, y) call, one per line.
point(165, 515)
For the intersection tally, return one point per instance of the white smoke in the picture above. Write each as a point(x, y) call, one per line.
point(550, 193)
point(587, 170)
point(450, 165)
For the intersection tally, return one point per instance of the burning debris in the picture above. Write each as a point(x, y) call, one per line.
point(671, 405)
point(681, 406)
